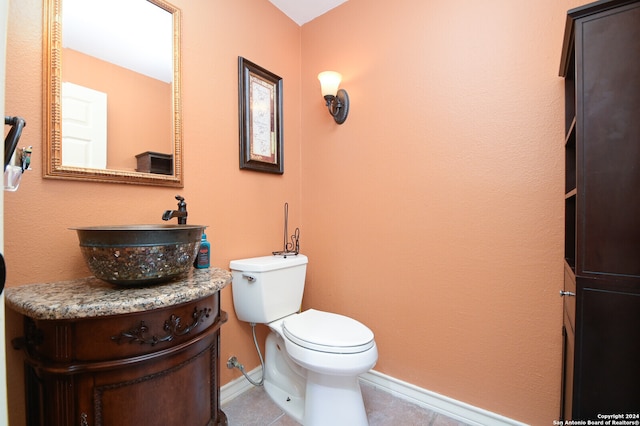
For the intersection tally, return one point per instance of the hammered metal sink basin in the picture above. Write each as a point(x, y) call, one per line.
point(134, 255)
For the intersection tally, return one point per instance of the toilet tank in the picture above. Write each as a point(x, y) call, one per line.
point(267, 288)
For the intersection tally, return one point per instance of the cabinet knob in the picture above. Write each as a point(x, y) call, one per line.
point(566, 293)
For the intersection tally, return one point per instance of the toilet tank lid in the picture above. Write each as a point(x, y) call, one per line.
point(268, 263)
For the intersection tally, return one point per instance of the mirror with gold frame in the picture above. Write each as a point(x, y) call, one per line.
point(138, 142)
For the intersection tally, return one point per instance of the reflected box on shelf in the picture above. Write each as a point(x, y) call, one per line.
point(155, 162)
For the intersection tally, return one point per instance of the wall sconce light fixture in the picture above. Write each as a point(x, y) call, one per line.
point(337, 100)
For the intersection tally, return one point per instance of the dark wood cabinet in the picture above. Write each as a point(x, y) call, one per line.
point(601, 321)
point(157, 367)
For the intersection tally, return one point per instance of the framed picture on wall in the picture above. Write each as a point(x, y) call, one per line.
point(260, 114)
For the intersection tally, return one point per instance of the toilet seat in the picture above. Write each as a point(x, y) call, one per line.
point(327, 332)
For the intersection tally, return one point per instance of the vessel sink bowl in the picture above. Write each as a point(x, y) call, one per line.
point(134, 255)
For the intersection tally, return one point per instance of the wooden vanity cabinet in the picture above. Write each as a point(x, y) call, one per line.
point(157, 367)
point(601, 327)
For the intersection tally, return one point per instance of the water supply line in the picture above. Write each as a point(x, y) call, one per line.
point(233, 362)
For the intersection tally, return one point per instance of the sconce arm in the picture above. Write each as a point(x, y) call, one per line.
point(338, 105)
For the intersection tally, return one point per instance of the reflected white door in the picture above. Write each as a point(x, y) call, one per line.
point(84, 127)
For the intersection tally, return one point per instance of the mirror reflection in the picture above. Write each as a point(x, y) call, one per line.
point(117, 91)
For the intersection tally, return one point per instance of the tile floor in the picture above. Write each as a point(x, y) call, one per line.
point(255, 408)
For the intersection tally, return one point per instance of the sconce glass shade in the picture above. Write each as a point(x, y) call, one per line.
point(329, 82)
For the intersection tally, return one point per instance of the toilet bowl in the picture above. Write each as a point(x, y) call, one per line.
point(314, 377)
point(328, 343)
point(312, 358)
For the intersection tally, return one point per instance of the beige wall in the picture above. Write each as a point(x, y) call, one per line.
point(434, 214)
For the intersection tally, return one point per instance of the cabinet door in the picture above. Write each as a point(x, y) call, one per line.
point(178, 390)
point(608, 142)
point(607, 371)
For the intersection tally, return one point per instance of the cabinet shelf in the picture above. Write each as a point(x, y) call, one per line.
point(571, 137)
point(570, 270)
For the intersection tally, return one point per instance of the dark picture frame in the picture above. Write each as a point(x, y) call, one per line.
point(260, 115)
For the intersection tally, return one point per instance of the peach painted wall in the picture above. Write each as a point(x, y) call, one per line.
point(242, 208)
point(434, 214)
point(136, 123)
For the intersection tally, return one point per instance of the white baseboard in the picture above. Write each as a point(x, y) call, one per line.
point(421, 397)
point(450, 407)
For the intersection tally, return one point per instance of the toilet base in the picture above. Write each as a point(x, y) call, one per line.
point(308, 397)
point(284, 381)
point(334, 400)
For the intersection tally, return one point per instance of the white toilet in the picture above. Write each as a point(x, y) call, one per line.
point(312, 358)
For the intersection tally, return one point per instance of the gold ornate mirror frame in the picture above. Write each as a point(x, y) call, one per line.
point(52, 81)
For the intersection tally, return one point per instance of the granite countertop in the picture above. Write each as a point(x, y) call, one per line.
point(91, 297)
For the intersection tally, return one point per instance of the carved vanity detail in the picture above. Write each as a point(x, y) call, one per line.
point(100, 355)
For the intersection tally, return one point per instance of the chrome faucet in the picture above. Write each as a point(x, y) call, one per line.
point(181, 213)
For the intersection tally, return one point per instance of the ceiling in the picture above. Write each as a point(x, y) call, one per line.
point(143, 38)
point(303, 11)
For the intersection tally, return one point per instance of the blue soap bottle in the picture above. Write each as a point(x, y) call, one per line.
point(203, 259)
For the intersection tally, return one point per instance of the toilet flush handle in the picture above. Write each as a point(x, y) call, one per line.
point(249, 278)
